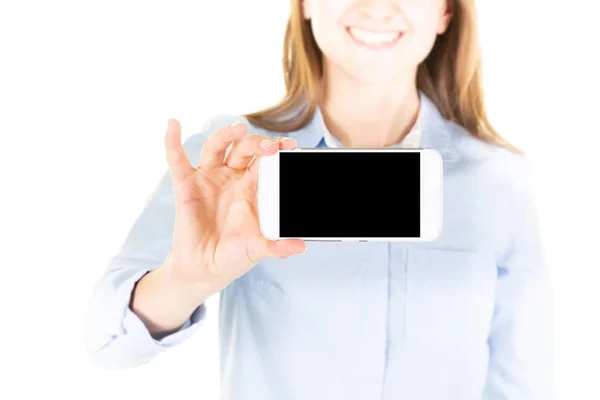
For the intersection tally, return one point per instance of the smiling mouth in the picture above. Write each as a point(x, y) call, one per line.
point(374, 40)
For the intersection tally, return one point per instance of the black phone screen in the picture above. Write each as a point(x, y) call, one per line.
point(349, 194)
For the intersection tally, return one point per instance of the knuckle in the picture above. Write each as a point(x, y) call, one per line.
point(220, 134)
point(249, 142)
point(259, 139)
point(210, 142)
point(251, 137)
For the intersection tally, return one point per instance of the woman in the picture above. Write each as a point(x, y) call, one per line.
point(463, 317)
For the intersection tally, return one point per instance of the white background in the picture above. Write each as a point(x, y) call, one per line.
point(86, 89)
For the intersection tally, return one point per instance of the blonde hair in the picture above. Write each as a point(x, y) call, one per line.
point(450, 76)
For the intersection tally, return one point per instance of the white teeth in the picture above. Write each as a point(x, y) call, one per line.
point(371, 37)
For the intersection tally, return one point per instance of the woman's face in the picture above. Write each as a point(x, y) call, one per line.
point(376, 40)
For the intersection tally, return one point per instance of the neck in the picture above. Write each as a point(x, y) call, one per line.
point(366, 115)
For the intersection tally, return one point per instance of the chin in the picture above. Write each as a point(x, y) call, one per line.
point(368, 70)
point(374, 76)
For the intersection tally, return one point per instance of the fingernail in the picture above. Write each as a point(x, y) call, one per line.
point(236, 124)
point(266, 143)
point(291, 142)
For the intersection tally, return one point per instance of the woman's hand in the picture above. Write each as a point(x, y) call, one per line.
point(216, 236)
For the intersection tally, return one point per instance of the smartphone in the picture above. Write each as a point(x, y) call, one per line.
point(348, 194)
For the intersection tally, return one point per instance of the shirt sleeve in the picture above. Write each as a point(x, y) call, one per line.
point(521, 365)
point(114, 336)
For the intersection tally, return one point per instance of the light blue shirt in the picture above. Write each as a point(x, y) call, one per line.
point(466, 316)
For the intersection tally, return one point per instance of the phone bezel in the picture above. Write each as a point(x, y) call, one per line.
point(431, 195)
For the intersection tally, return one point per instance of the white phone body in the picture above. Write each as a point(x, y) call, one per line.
point(431, 196)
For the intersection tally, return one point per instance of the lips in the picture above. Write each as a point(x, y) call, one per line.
point(374, 39)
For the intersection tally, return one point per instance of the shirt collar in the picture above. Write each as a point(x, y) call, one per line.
point(411, 140)
point(432, 130)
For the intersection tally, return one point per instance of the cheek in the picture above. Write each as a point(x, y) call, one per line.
point(326, 25)
point(331, 11)
point(424, 24)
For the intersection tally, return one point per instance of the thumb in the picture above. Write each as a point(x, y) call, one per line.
point(264, 248)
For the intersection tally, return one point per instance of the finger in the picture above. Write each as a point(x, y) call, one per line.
point(243, 151)
point(179, 165)
point(286, 143)
point(248, 185)
point(253, 167)
point(215, 146)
